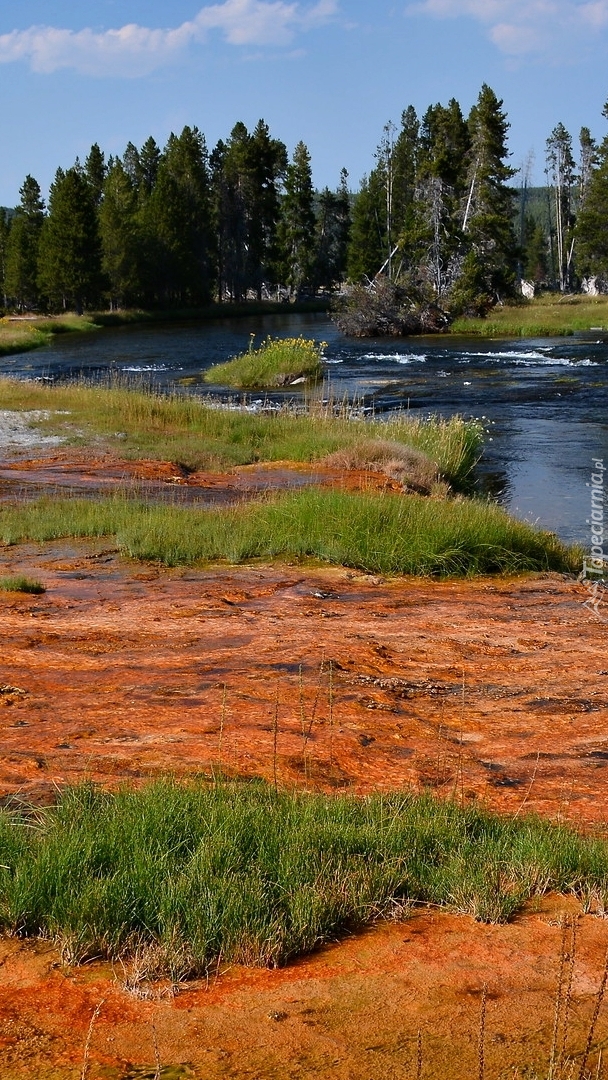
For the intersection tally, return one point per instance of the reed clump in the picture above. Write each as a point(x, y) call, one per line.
point(413, 469)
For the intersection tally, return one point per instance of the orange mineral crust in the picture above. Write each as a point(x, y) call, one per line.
point(487, 689)
point(373, 1006)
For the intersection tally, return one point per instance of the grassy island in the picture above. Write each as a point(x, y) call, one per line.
point(277, 362)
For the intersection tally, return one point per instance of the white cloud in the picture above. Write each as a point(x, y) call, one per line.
point(137, 50)
point(520, 27)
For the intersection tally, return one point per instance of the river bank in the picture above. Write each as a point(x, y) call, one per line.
point(546, 316)
point(124, 671)
point(24, 333)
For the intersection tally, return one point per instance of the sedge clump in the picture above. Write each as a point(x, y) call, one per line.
point(21, 584)
point(276, 362)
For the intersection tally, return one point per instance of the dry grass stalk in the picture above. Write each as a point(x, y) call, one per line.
point(87, 1045)
point(156, 1052)
point(568, 995)
point(481, 1046)
point(331, 713)
point(307, 726)
point(275, 735)
point(557, 1011)
point(303, 722)
point(419, 1056)
point(530, 786)
point(596, 1012)
point(222, 723)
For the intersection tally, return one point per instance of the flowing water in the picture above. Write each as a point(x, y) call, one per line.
point(545, 400)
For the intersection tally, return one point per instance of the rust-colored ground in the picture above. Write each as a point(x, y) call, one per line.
point(67, 472)
point(350, 1012)
point(493, 689)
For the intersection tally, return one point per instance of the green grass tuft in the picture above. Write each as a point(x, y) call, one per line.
point(21, 584)
point(277, 362)
point(253, 876)
point(389, 534)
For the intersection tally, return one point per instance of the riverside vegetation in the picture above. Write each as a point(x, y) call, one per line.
point(386, 534)
point(548, 315)
point(22, 335)
point(276, 362)
point(378, 532)
point(199, 435)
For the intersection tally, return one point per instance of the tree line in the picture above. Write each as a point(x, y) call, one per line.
point(436, 219)
point(563, 232)
point(441, 215)
point(175, 227)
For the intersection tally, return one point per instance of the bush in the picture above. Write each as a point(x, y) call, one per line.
point(386, 309)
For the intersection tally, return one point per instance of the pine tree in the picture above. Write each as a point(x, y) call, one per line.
point(405, 171)
point(267, 167)
point(561, 169)
point(366, 248)
point(22, 248)
point(535, 252)
point(4, 235)
point(147, 166)
point(297, 224)
point(587, 162)
point(178, 223)
point(489, 244)
point(132, 165)
point(120, 237)
point(70, 251)
point(230, 171)
point(434, 240)
point(333, 228)
point(95, 172)
point(246, 174)
point(592, 223)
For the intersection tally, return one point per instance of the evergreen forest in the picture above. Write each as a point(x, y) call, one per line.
point(442, 225)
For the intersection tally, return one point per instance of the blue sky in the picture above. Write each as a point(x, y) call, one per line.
point(330, 72)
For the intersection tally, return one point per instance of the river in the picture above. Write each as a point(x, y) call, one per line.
point(545, 401)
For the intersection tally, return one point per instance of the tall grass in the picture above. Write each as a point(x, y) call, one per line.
point(256, 876)
point(379, 533)
point(276, 362)
point(184, 429)
point(21, 584)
